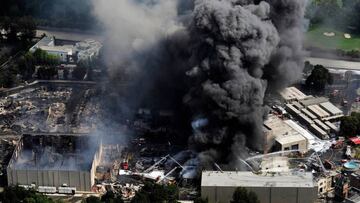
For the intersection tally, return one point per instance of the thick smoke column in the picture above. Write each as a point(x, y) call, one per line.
point(239, 48)
point(217, 57)
point(287, 62)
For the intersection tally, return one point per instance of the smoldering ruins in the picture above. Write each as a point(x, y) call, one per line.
point(53, 159)
point(209, 60)
point(186, 90)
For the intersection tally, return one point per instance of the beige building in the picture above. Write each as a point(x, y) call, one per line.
point(291, 94)
point(285, 136)
point(218, 187)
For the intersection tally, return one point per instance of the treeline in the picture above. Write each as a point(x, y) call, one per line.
point(54, 13)
point(19, 194)
point(344, 15)
point(17, 29)
point(24, 68)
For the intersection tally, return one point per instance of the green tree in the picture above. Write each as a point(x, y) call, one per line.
point(155, 193)
point(41, 57)
point(141, 197)
point(27, 28)
point(46, 73)
point(241, 195)
point(92, 199)
point(319, 77)
point(350, 125)
point(351, 13)
point(26, 65)
point(7, 78)
point(200, 200)
point(110, 197)
point(17, 194)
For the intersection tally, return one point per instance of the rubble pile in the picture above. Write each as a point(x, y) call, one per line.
point(45, 109)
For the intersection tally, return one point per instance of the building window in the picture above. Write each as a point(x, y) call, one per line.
point(295, 147)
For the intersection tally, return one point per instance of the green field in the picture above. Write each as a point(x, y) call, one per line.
point(314, 37)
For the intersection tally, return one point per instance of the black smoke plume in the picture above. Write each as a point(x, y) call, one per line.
point(215, 58)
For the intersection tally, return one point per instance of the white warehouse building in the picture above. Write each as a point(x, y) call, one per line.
point(218, 187)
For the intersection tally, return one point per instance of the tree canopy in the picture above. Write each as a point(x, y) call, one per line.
point(344, 15)
point(155, 193)
point(350, 125)
point(54, 13)
point(18, 194)
point(319, 77)
point(242, 195)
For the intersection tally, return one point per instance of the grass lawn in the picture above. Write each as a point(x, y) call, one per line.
point(314, 37)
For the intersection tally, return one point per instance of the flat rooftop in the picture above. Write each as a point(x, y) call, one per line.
point(291, 93)
point(313, 100)
point(249, 179)
point(286, 139)
point(331, 108)
point(318, 111)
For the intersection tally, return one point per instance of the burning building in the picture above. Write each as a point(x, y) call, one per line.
point(55, 160)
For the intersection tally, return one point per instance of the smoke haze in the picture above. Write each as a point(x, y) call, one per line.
point(217, 58)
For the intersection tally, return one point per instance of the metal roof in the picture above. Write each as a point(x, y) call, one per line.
point(332, 109)
point(332, 126)
point(313, 100)
point(322, 125)
point(292, 108)
point(292, 93)
point(308, 113)
point(249, 179)
point(306, 119)
point(318, 129)
point(319, 112)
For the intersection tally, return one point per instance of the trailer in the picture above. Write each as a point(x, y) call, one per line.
point(28, 187)
point(67, 190)
point(46, 189)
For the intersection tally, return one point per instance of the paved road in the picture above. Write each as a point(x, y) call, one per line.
point(335, 64)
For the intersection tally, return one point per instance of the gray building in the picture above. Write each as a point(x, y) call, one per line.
point(219, 187)
point(54, 160)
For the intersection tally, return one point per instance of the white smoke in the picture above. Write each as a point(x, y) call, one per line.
point(133, 25)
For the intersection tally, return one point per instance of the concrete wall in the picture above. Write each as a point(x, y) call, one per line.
point(56, 178)
point(265, 194)
point(302, 145)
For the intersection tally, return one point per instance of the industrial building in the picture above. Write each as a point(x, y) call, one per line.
point(286, 137)
point(288, 187)
point(55, 160)
point(64, 53)
point(292, 94)
point(85, 50)
point(316, 113)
